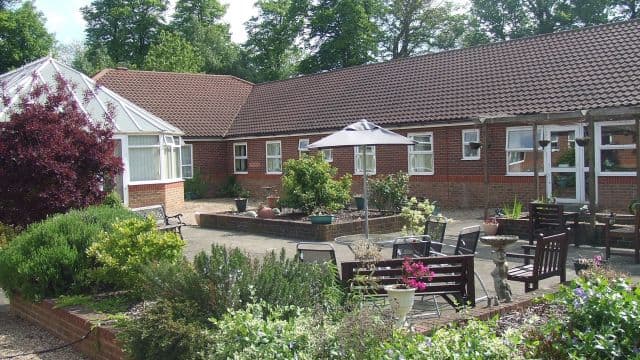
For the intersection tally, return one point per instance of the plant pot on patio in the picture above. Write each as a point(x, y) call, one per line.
point(241, 204)
point(401, 301)
point(359, 202)
point(321, 219)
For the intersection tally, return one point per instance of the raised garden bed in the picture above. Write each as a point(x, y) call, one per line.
point(298, 226)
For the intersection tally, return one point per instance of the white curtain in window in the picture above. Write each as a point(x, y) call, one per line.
point(144, 164)
point(187, 162)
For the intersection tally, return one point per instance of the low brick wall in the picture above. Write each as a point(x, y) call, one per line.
point(70, 325)
point(296, 229)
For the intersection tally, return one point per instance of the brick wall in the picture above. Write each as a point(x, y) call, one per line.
point(455, 183)
point(171, 195)
point(210, 158)
point(70, 325)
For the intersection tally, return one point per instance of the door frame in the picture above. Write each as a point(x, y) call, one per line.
point(580, 169)
point(124, 143)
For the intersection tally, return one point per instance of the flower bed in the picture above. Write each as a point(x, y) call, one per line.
point(298, 229)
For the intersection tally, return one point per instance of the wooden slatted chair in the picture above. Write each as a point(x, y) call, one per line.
point(614, 233)
point(545, 219)
point(549, 260)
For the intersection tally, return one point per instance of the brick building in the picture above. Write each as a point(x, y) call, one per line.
point(472, 111)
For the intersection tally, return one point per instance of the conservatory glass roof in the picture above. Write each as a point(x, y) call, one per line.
point(93, 99)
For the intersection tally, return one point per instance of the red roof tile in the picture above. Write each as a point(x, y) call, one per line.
point(198, 104)
point(581, 69)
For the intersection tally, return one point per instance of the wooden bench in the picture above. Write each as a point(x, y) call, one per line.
point(453, 278)
point(164, 222)
point(549, 259)
point(614, 232)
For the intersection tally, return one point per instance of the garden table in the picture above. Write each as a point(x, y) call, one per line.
point(380, 240)
point(499, 274)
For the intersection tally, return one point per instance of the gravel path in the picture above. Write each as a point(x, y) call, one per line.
point(18, 336)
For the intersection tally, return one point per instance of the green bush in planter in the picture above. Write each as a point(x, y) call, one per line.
point(389, 192)
point(49, 258)
point(308, 183)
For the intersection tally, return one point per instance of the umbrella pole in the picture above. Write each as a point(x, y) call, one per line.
point(366, 194)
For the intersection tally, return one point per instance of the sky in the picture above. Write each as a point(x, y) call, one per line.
point(64, 18)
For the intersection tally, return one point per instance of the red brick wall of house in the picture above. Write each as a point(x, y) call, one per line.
point(171, 195)
point(456, 182)
point(210, 158)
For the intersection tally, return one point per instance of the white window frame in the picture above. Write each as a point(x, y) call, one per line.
point(600, 147)
point(171, 141)
point(465, 131)
point(411, 151)
point(370, 170)
point(302, 150)
point(182, 165)
point(267, 156)
point(241, 157)
point(327, 155)
point(507, 150)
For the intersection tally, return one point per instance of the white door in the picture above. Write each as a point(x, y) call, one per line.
point(564, 164)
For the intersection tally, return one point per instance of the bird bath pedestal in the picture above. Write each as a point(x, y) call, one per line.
point(499, 274)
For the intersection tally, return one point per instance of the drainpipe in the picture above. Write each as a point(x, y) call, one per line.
point(485, 166)
point(535, 159)
point(591, 153)
point(637, 118)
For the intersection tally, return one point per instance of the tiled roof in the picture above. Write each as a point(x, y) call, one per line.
point(581, 69)
point(199, 104)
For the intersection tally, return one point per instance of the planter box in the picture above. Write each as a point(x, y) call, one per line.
point(298, 229)
point(321, 219)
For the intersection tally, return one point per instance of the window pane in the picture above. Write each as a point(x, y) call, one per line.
point(144, 164)
point(273, 149)
point(187, 172)
point(176, 162)
point(470, 136)
point(422, 162)
point(186, 155)
point(618, 135)
point(241, 165)
point(422, 147)
point(143, 140)
point(327, 154)
point(240, 150)
point(618, 160)
point(303, 144)
point(469, 152)
point(273, 165)
point(522, 161)
point(520, 139)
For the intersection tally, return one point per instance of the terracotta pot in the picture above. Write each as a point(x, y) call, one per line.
point(266, 213)
point(401, 302)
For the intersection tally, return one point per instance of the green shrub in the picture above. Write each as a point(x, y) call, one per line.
point(195, 187)
point(231, 187)
point(122, 252)
point(49, 258)
point(112, 200)
point(389, 192)
point(415, 214)
point(7, 233)
point(602, 321)
point(164, 331)
point(514, 210)
point(308, 183)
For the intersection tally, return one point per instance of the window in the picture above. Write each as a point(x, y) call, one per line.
point(359, 163)
point(617, 148)
point(153, 157)
point(421, 154)
point(303, 146)
point(187, 161)
point(327, 154)
point(274, 157)
point(240, 158)
point(520, 151)
point(469, 136)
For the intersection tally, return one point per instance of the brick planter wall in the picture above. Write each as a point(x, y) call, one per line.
point(296, 229)
point(171, 195)
point(70, 325)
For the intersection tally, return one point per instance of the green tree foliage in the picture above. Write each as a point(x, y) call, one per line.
point(343, 33)
point(271, 47)
point(92, 61)
point(308, 184)
point(414, 26)
point(125, 29)
point(200, 23)
point(172, 53)
point(23, 36)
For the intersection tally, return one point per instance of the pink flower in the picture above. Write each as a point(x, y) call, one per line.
point(414, 273)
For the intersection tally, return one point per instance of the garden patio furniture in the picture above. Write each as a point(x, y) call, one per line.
point(613, 233)
point(163, 221)
point(412, 246)
point(314, 252)
point(549, 260)
point(435, 228)
point(547, 219)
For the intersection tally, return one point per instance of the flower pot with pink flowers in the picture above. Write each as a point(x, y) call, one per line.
point(415, 276)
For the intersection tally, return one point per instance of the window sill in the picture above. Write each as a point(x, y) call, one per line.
point(240, 172)
point(621, 174)
point(470, 159)
point(152, 182)
point(274, 173)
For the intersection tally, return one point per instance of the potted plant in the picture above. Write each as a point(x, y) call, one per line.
point(320, 216)
point(490, 226)
point(241, 200)
point(401, 296)
point(582, 263)
point(359, 202)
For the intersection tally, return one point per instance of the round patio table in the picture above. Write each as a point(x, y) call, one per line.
point(378, 239)
point(499, 274)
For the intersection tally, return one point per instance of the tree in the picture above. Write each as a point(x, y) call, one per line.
point(414, 26)
point(172, 53)
point(92, 61)
point(501, 19)
point(271, 46)
point(200, 23)
point(23, 37)
point(626, 9)
point(125, 29)
point(52, 157)
point(342, 33)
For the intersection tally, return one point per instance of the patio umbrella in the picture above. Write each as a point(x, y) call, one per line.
point(362, 133)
